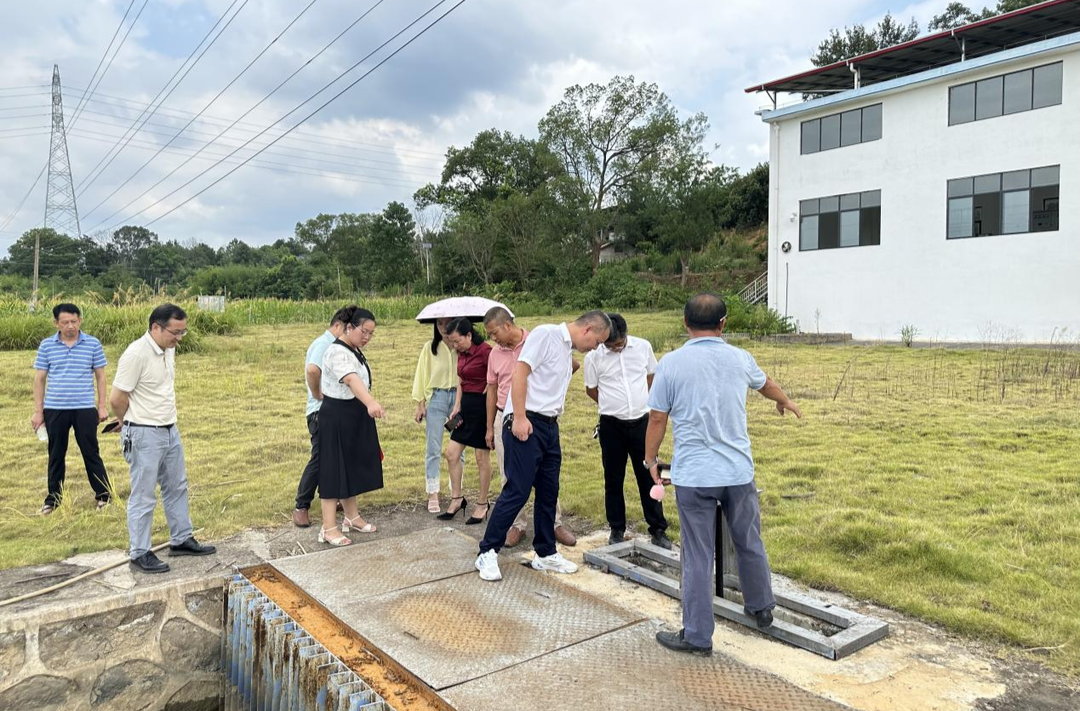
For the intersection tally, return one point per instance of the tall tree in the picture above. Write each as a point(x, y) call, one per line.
point(390, 257)
point(59, 255)
point(127, 241)
point(957, 14)
point(858, 39)
point(607, 137)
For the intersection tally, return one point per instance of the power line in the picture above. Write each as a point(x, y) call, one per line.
point(329, 101)
point(248, 112)
point(87, 91)
point(187, 151)
point(302, 153)
point(284, 167)
point(257, 127)
point(210, 103)
point(90, 85)
point(111, 155)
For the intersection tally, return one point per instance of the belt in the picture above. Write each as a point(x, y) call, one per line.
point(155, 427)
point(551, 419)
point(634, 421)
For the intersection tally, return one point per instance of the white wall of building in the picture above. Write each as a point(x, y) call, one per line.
point(1021, 286)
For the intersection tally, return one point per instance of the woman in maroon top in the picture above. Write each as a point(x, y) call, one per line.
point(471, 402)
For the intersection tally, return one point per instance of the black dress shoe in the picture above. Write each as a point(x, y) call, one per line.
point(661, 541)
point(763, 618)
point(150, 563)
point(191, 547)
point(617, 536)
point(675, 642)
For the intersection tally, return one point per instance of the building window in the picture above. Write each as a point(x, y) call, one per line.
point(851, 220)
point(1004, 203)
point(1005, 94)
point(843, 129)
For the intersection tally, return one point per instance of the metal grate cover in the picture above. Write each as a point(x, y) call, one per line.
point(379, 566)
point(627, 669)
point(453, 630)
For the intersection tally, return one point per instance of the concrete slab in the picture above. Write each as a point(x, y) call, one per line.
point(460, 628)
point(340, 577)
point(628, 669)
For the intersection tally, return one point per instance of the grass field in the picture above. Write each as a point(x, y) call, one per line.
point(942, 483)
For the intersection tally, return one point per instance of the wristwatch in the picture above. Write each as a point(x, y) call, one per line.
point(650, 465)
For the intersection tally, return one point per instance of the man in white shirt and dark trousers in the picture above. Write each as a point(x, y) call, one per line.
point(702, 388)
point(618, 376)
point(530, 433)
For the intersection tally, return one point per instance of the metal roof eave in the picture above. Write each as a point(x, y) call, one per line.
point(1027, 50)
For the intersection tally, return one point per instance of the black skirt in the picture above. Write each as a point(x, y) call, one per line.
point(473, 429)
point(349, 460)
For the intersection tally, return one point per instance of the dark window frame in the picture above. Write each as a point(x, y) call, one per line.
point(869, 212)
point(975, 95)
point(1000, 193)
point(838, 116)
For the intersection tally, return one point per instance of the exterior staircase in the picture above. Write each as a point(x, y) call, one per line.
point(757, 291)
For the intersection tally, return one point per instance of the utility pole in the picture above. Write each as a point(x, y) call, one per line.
point(61, 213)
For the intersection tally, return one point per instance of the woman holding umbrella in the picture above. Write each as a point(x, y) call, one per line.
point(471, 431)
point(434, 387)
point(436, 379)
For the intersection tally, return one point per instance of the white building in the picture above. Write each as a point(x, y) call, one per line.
point(935, 185)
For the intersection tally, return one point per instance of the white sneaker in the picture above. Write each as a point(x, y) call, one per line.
point(554, 562)
point(488, 565)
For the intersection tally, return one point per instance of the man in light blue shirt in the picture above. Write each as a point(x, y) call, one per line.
point(701, 388)
point(67, 366)
point(309, 480)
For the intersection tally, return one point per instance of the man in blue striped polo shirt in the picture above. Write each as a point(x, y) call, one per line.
point(68, 364)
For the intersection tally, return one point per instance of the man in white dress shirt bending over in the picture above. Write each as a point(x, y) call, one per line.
point(532, 451)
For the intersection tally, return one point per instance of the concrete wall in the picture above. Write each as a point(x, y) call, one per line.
point(1021, 286)
point(154, 649)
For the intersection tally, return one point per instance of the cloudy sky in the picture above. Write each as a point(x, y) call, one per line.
point(490, 63)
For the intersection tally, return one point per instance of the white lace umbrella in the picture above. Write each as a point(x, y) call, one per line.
point(470, 307)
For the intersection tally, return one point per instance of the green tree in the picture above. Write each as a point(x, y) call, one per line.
point(609, 136)
point(59, 255)
point(390, 257)
point(957, 14)
point(127, 241)
point(495, 165)
point(859, 39)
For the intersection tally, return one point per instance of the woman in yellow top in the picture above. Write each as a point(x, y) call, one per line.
point(434, 390)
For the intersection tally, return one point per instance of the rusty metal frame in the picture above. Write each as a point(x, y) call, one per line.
point(856, 630)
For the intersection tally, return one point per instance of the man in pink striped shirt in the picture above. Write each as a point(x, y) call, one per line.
point(509, 338)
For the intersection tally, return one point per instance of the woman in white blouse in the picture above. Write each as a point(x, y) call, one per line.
point(350, 461)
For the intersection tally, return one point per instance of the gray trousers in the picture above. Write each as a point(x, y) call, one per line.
point(155, 456)
point(697, 523)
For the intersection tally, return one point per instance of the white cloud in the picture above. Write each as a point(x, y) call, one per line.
point(491, 64)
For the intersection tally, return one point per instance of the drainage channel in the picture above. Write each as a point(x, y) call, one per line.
point(282, 651)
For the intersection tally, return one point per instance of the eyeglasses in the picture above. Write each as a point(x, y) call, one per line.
point(178, 334)
point(365, 332)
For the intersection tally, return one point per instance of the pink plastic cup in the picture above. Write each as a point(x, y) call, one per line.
point(657, 492)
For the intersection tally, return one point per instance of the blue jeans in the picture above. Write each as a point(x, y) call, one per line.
point(439, 407)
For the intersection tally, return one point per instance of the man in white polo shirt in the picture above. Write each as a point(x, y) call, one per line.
point(530, 433)
point(143, 398)
point(618, 376)
point(510, 339)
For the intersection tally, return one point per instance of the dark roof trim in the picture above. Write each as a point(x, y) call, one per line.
point(793, 83)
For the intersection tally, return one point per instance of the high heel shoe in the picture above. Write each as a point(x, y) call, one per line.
point(343, 541)
point(472, 520)
point(448, 514)
point(348, 525)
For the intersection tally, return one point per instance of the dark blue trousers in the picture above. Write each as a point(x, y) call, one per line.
point(531, 464)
